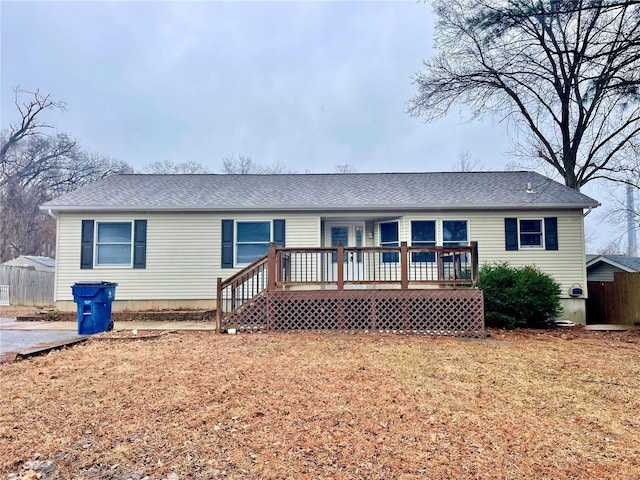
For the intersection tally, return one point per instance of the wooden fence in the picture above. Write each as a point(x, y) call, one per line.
point(616, 302)
point(28, 287)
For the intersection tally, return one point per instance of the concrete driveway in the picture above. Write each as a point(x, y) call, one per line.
point(21, 336)
point(27, 336)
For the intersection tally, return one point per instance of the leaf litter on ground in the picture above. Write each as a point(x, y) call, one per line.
point(529, 404)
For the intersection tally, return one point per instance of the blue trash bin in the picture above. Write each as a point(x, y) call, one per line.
point(94, 301)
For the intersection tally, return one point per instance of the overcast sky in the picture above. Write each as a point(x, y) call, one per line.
point(306, 85)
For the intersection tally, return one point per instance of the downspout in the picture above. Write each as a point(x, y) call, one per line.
point(587, 212)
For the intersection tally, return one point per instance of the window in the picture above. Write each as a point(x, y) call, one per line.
point(454, 233)
point(252, 241)
point(531, 234)
point(389, 238)
point(113, 244)
point(245, 242)
point(423, 234)
point(339, 236)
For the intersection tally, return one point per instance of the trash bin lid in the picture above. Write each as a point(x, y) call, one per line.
point(95, 282)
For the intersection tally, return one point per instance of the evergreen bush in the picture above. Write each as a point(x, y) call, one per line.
point(519, 297)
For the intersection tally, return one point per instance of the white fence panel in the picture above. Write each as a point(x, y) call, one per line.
point(4, 295)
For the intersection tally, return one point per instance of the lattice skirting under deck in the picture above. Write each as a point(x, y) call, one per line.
point(458, 312)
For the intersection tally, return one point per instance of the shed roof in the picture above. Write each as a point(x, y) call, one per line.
point(28, 260)
point(327, 192)
point(45, 261)
point(623, 262)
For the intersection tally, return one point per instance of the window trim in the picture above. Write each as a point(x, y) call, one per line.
point(542, 234)
point(96, 244)
point(235, 239)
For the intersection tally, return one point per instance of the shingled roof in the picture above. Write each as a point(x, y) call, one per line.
point(326, 192)
point(623, 262)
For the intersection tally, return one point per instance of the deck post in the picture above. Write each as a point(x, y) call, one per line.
point(475, 274)
point(340, 265)
point(271, 268)
point(219, 305)
point(404, 267)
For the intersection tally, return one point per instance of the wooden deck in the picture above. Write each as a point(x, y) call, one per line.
point(419, 290)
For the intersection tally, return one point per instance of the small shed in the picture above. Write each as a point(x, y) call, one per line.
point(600, 268)
point(41, 264)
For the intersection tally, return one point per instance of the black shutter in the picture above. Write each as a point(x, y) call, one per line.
point(86, 250)
point(227, 243)
point(278, 233)
point(140, 244)
point(551, 233)
point(511, 233)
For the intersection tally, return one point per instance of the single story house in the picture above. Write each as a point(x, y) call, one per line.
point(166, 239)
point(600, 268)
point(43, 264)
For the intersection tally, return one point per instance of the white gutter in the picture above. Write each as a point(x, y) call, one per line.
point(315, 208)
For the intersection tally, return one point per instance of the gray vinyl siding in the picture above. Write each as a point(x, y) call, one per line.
point(602, 272)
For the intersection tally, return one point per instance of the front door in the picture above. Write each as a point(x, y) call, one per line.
point(349, 234)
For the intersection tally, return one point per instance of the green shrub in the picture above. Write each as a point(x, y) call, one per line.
point(519, 297)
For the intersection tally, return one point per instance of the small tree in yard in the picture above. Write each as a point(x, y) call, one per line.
point(519, 297)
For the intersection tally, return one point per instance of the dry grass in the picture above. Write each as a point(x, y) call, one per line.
point(308, 406)
point(19, 311)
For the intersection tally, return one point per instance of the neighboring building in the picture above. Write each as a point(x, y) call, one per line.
point(44, 264)
point(600, 268)
point(165, 239)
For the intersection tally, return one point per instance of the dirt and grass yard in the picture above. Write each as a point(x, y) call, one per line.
point(551, 405)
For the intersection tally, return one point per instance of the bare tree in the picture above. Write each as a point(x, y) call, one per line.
point(42, 168)
point(565, 73)
point(237, 164)
point(168, 167)
point(242, 164)
point(30, 122)
point(614, 247)
point(26, 230)
point(345, 168)
point(466, 164)
point(34, 168)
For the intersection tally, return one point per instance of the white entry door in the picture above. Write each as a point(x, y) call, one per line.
point(349, 234)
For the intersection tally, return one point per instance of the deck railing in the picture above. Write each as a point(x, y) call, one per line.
point(400, 267)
